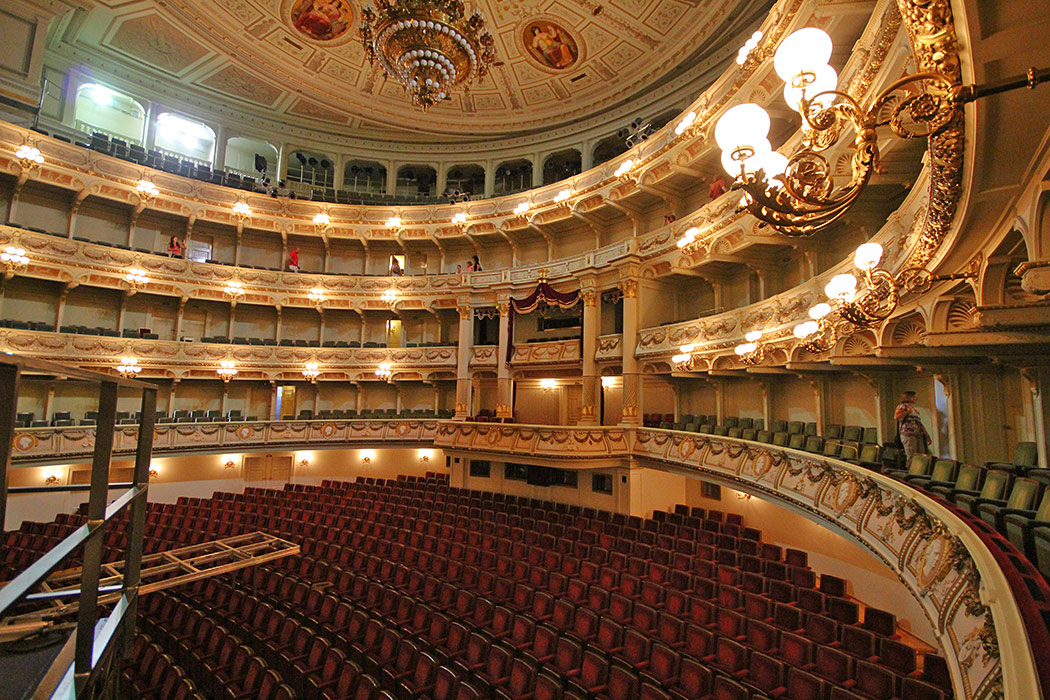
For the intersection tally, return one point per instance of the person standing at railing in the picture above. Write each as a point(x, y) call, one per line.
point(174, 247)
point(293, 260)
point(911, 433)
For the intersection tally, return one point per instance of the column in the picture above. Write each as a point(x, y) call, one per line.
point(442, 178)
point(586, 156)
point(504, 384)
point(337, 181)
point(1038, 380)
point(466, 347)
point(391, 178)
point(218, 161)
point(400, 400)
point(229, 323)
point(179, 316)
point(277, 327)
point(359, 399)
point(631, 378)
point(122, 313)
point(60, 308)
point(590, 403)
point(490, 179)
point(273, 402)
point(537, 170)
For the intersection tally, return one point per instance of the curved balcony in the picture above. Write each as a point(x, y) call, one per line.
point(42, 445)
point(974, 593)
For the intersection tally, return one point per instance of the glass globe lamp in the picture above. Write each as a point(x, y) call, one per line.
point(802, 52)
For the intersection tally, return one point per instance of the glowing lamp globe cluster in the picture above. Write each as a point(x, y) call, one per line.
point(430, 47)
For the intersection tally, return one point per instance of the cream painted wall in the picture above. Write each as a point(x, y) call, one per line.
point(582, 495)
point(202, 475)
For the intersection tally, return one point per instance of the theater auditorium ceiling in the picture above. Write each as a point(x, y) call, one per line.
point(561, 63)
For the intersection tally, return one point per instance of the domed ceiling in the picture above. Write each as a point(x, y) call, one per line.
point(561, 62)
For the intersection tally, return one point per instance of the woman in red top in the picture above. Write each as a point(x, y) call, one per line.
point(293, 260)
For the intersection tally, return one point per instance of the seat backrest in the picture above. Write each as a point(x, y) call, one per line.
point(969, 478)
point(995, 485)
point(1026, 454)
point(1023, 494)
point(944, 470)
point(919, 465)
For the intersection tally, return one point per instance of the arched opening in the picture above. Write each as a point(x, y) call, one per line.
point(513, 176)
point(609, 147)
point(468, 179)
point(366, 176)
point(252, 157)
point(185, 138)
point(416, 181)
point(309, 168)
point(561, 165)
point(99, 108)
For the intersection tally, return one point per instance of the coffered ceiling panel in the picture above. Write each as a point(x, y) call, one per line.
point(559, 60)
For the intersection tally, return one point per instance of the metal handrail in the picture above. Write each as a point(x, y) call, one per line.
point(91, 643)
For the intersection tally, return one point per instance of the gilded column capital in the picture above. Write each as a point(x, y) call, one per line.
point(589, 296)
point(629, 288)
point(504, 308)
point(465, 313)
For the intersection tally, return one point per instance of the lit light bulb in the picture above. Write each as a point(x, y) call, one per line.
point(801, 52)
point(562, 196)
point(752, 336)
point(746, 348)
point(842, 288)
point(819, 311)
point(867, 256)
point(393, 222)
point(806, 329)
point(742, 126)
point(625, 167)
point(685, 123)
point(460, 218)
point(821, 80)
point(322, 219)
point(521, 208)
point(687, 348)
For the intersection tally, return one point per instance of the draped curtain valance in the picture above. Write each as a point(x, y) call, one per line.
point(548, 294)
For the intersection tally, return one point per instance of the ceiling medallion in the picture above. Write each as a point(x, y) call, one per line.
point(429, 46)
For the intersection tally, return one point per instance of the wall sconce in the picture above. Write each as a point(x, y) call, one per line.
point(424, 456)
point(304, 463)
point(367, 455)
point(312, 372)
point(29, 156)
point(743, 496)
point(752, 352)
point(52, 478)
point(522, 208)
point(242, 210)
point(389, 296)
point(688, 238)
point(227, 371)
point(129, 367)
point(393, 222)
point(14, 258)
point(316, 295)
point(147, 190)
point(548, 384)
point(136, 278)
point(608, 382)
point(154, 471)
point(748, 48)
point(624, 168)
point(562, 196)
point(460, 219)
point(385, 372)
point(229, 464)
point(683, 362)
point(686, 122)
point(233, 289)
point(322, 221)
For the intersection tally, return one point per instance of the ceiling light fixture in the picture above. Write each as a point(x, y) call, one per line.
point(430, 47)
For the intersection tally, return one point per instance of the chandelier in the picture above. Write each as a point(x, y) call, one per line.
point(429, 46)
point(385, 371)
point(227, 371)
point(312, 372)
point(798, 194)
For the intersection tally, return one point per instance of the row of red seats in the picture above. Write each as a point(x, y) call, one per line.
point(150, 674)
